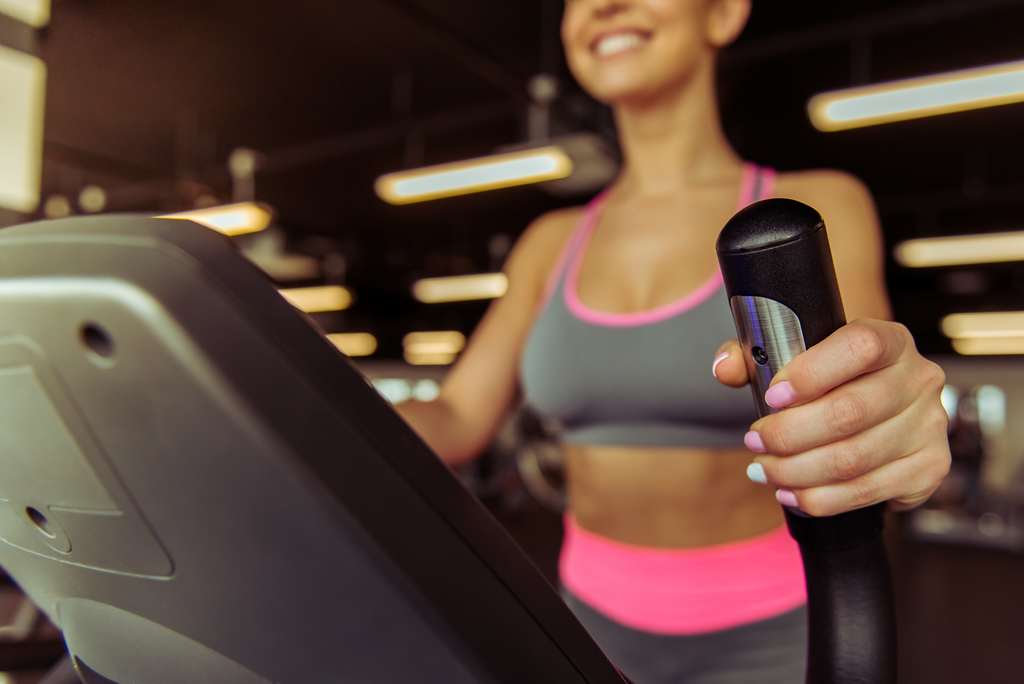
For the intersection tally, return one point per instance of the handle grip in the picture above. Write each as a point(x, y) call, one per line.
point(778, 272)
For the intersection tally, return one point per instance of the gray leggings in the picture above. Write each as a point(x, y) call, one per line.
point(768, 652)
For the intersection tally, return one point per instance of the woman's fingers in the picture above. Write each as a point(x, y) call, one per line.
point(856, 349)
point(906, 483)
point(857, 406)
point(850, 458)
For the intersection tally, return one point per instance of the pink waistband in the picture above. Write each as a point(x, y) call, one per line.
point(684, 591)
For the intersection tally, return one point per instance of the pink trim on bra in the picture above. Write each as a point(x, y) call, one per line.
point(767, 183)
point(568, 249)
point(574, 263)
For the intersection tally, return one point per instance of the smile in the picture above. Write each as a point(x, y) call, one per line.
point(618, 43)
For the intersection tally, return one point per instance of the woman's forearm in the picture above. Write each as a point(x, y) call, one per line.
point(438, 425)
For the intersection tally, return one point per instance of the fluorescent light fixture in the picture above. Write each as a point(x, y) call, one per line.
point(989, 346)
point(957, 250)
point(32, 12)
point(435, 342)
point(92, 199)
point(475, 175)
point(318, 299)
point(991, 409)
point(395, 390)
point(913, 98)
point(56, 207)
point(354, 344)
point(436, 348)
point(426, 390)
point(594, 165)
point(269, 252)
point(230, 219)
point(415, 359)
point(22, 97)
point(460, 288)
point(994, 324)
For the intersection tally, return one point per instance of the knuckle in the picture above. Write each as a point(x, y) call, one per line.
point(846, 414)
point(904, 338)
point(934, 377)
point(782, 475)
point(942, 464)
point(939, 420)
point(846, 462)
point(904, 332)
point(776, 438)
point(802, 373)
point(921, 493)
point(864, 491)
point(911, 502)
point(933, 469)
point(865, 343)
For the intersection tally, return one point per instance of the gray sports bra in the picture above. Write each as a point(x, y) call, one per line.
point(638, 378)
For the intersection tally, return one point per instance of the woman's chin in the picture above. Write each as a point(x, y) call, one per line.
point(622, 87)
point(626, 94)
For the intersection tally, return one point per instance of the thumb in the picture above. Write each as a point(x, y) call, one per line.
point(728, 366)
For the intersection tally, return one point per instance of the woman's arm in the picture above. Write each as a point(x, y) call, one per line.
point(480, 389)
point(859, 420)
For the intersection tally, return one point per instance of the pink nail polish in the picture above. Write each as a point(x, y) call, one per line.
point(754, 442)
point(780, 396)
point(787, 498)
point(718, 359)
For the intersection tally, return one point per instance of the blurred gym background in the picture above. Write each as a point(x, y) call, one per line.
point(282, 122)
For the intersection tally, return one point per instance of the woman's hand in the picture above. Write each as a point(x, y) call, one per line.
point(862, 421)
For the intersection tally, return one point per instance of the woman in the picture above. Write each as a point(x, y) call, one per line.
point(678, 565)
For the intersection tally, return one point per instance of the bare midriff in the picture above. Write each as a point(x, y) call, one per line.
point(668, 497)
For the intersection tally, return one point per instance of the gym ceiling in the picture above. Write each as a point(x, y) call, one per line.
point(148, 99)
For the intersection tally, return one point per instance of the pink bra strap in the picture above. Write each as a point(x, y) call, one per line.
point(749, 184)
point(755, 180)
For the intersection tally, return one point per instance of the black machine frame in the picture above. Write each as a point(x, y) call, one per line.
point(199, 487)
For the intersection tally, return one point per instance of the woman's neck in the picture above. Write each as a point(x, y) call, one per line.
point(676, 140)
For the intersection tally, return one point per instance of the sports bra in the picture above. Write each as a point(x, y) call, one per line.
point(639, 378)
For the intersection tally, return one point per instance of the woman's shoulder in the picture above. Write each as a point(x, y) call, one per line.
point(845, 204)
point(544, 239)
point(555, 225)
point(828, 187)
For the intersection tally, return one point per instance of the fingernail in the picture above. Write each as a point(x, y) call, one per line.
point(786, 498)
point(718, 359)
point(755, 473)
point(754, 442)
point(780, 396)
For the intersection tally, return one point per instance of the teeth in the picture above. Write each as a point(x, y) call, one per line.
point(620, 42)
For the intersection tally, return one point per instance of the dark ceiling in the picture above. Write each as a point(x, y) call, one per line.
point(148, 99)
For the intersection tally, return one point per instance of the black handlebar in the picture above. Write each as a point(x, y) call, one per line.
point(781, 283)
